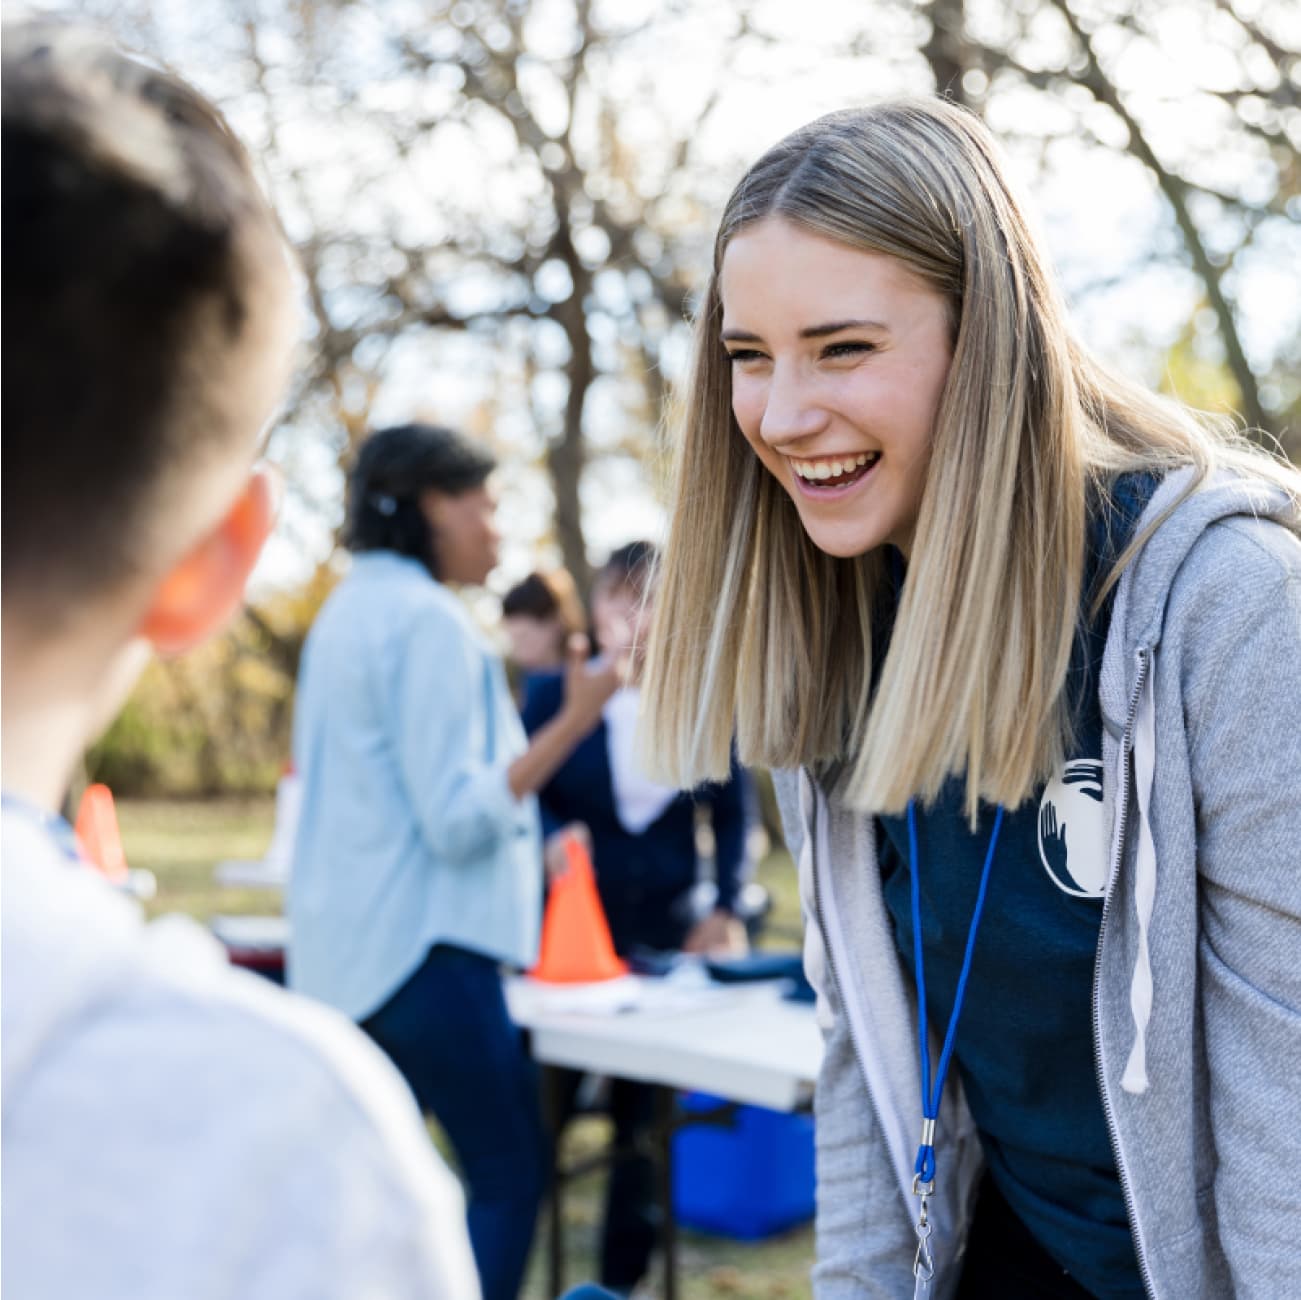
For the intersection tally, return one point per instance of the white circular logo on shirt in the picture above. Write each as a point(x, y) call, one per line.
point(1073, 829)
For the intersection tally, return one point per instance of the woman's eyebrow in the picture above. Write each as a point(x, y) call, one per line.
point(811, 332)
point(835, 327)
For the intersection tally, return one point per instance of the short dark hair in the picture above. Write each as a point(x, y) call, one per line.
point(393, 467)
point(531, 598)
point(546, 595)
point(629, 565)
point(135, 242)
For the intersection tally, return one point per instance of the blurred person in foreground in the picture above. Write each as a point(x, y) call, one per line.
point(172, 1128)
point(417, 866)
point(643, 842)
point(539, 616)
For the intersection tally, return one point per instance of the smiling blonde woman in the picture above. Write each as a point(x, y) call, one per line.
point(1026, 640)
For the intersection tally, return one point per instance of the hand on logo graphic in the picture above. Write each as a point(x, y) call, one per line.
point(1086, 774)
point(1053, 839)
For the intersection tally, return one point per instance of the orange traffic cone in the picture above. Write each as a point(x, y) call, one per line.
point(576, 943)
point(98, 833)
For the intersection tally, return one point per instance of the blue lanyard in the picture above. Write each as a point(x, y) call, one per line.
point(924, 1169)
point(925, 1166)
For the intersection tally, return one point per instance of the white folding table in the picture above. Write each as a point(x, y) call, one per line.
point(745, 1043)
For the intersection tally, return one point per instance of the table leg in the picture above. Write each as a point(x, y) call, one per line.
point(664, 1114)
point(553, 1109)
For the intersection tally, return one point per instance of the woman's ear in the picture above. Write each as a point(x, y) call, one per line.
point(206, 586)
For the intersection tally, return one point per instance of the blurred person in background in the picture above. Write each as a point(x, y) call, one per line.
point(416, 871)
point(172, 1127)
point(538, 616)
point(642, 833)
point(644, 850)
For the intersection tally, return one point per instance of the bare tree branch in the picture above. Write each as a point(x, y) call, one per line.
point(1176, 194)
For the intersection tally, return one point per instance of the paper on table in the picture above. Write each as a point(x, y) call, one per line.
point(608, 997)
point(666, 998)
point(686, 989)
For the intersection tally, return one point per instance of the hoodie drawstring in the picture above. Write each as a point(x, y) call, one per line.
point(1135, 1079)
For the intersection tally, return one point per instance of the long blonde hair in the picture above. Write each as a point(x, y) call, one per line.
point(760, 634)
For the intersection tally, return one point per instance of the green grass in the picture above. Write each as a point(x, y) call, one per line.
point(181, 842)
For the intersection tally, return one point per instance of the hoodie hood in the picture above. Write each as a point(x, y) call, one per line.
point(62, 925)
point(69, 943)
point(1142, 594)
point(1126, 686)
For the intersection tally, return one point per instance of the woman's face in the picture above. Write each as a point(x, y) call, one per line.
point(838, 361)
point(466, 539)
point(535, 643)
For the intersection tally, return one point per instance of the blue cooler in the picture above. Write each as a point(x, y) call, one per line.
point(750, 1178)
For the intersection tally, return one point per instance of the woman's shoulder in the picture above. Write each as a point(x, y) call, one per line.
point(1267, 545)
point(1240, 556)
point(1236, 600)
point(395, 609)
point(415, 602)
point(384, 579)
point(1226, 544)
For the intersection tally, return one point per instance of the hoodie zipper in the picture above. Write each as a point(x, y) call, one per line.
point(1126, 754)
point(829, 952)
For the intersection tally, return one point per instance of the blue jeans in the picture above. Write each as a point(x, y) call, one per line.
point(447, 1030)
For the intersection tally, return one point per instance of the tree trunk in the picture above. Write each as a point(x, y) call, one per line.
point(944, 47)
point(566, 456)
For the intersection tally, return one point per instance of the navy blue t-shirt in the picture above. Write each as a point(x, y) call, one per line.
point(1024, 1046)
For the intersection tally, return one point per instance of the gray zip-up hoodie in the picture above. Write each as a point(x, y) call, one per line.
point(1197, 985)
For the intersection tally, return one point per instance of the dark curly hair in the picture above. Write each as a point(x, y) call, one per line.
point(392, 468)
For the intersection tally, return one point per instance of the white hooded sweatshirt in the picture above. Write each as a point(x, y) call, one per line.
point(175, 1128)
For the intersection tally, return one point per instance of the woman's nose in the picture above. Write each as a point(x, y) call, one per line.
point(791, 410)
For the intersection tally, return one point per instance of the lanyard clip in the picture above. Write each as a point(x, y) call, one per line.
point(923, 1261)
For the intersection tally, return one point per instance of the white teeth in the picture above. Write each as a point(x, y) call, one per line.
point(814, 471)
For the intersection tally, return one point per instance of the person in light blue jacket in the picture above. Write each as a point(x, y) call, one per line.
point(417, 870)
